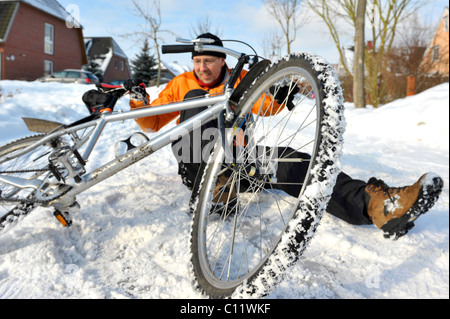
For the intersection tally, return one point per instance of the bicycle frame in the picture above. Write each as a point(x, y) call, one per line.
point(216, 106)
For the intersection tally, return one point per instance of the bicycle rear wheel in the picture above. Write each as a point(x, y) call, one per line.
point(16, 202)
point(256, 212)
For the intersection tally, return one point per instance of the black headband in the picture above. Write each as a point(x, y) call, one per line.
point(217, 42)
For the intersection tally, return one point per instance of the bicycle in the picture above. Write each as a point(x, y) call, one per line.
point(240, 246)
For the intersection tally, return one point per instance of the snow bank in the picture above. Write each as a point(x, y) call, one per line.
point(131, 238)
point(413, 119)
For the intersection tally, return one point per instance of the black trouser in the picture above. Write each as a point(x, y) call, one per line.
point(347, 201)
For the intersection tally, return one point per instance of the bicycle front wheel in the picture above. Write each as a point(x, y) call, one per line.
point(261, 200)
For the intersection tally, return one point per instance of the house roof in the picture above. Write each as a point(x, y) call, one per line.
point(98, 46)
point(51, 7)
point(8, 8)
point(102, 49)
point(430, 45)
point(7, 11)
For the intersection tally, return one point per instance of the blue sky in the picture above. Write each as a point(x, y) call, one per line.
point(245, 20)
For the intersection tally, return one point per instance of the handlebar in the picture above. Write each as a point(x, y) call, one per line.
point(177, 48)
point(198, 47)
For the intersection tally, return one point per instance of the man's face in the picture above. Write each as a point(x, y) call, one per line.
point(208, 68)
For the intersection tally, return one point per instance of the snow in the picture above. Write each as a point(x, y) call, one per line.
point(178, 69)
point(175, 67)
point(131, 237)
point(50, 6)
point(392, 204)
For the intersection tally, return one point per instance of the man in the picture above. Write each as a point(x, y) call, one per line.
point(354, 201)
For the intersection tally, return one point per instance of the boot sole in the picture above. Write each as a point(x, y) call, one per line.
point(428, 196)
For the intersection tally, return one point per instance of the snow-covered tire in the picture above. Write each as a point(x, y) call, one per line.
point(243, 250)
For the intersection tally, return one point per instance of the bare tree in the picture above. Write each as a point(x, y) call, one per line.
point(204, 26)
point(333, 13)
point(383, 18)
point(290, 17)
point(406, 59)
point(415, 36)
point(359, 95)
point(152, 28)
point(272, 44)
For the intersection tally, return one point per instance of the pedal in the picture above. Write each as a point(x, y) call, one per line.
point(63, 218)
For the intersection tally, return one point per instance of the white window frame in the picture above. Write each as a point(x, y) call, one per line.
point(49, 42)
point(50, 64)
point(435, 54)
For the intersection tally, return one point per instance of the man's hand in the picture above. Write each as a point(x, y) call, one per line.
point(136, 87)
point(285, 94)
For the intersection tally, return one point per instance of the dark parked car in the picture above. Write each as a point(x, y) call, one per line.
point(71, 76)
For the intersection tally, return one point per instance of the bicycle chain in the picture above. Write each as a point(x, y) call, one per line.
point(24, 205)
point(25, 171)
point(27, 201)
point(23, 200)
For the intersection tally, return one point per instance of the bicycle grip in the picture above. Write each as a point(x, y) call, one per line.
point(177, 48)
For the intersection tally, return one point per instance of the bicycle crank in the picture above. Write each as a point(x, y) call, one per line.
point(50, 189)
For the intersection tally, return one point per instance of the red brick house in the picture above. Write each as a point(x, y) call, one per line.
point(35, 40)
point(109, 57)
point(436, 57)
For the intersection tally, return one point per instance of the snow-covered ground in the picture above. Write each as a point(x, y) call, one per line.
point(131, 238)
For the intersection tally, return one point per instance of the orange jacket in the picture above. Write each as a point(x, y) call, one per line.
point(177, 89)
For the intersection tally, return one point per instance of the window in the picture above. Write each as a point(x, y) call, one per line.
point(73, 74)
point(446, 23)
point(59, 75)
point(435, 54)
point(48, 67)
point(116, 64)
point(49, 39)
point(122, 66)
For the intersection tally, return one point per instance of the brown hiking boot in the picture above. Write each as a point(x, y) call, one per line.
point(394, 210)
point(224, 196)
point(222, 192)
